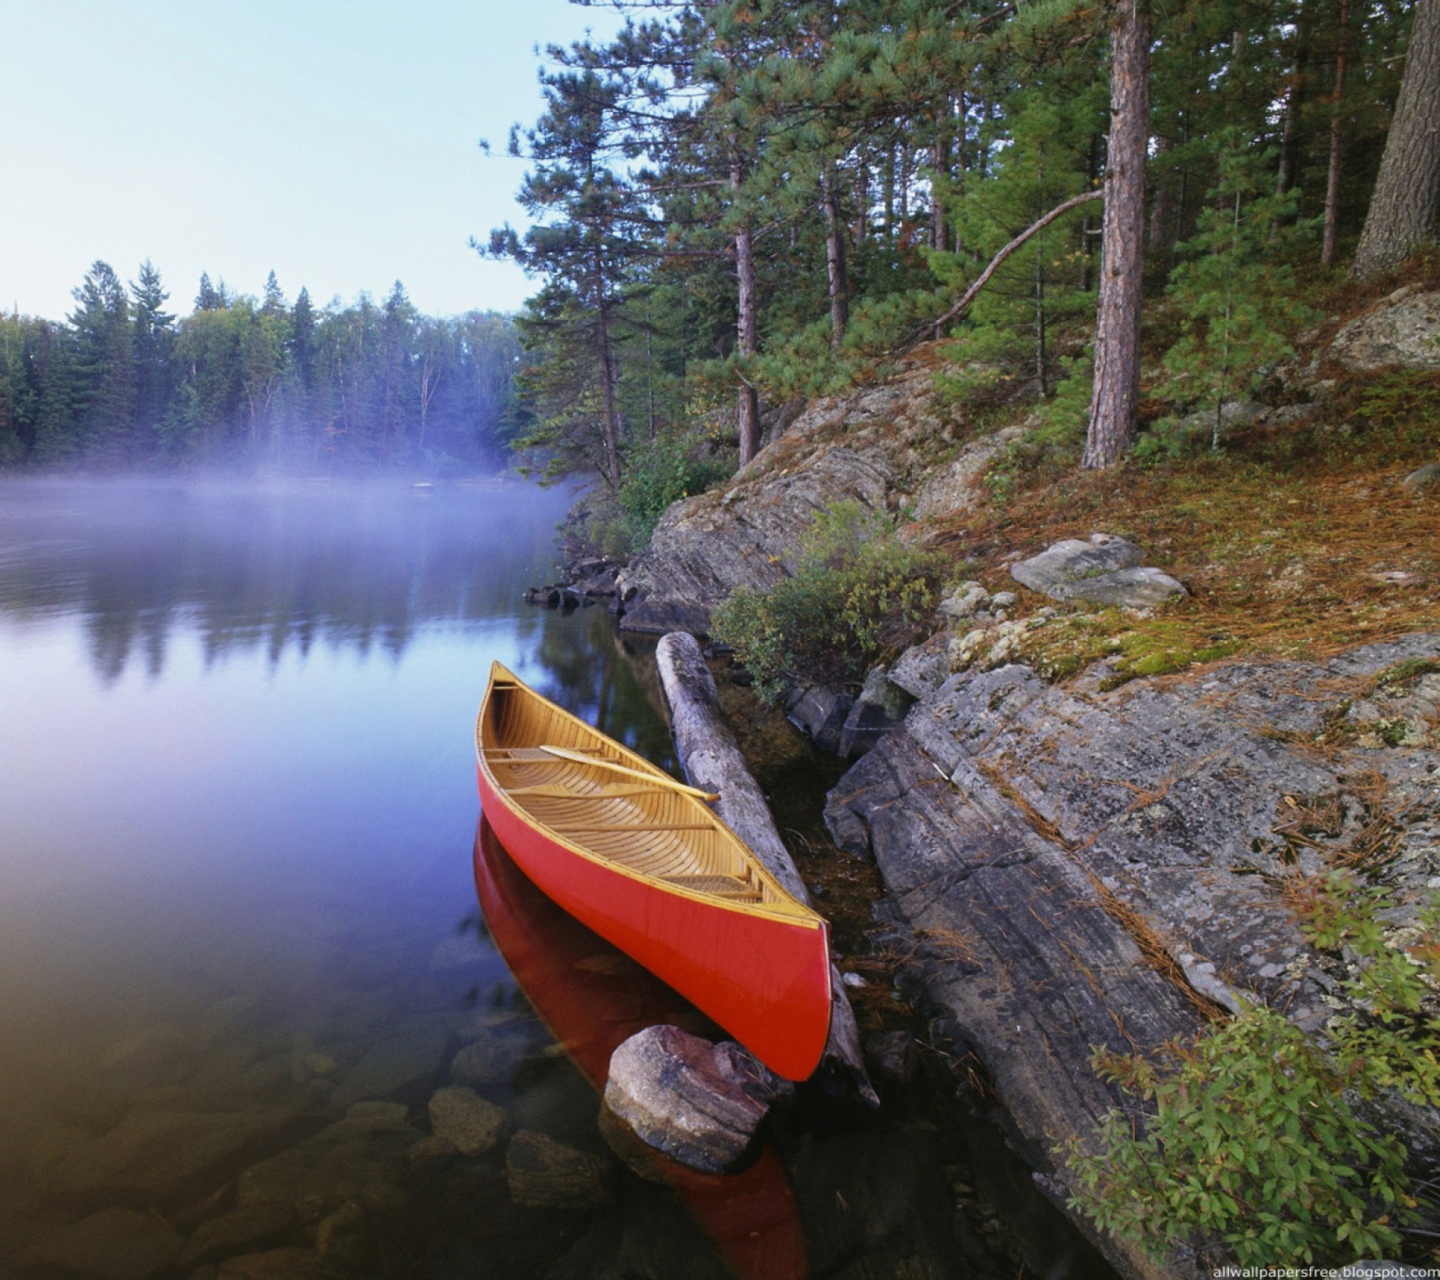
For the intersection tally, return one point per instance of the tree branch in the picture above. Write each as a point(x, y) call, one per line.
point(963, 305)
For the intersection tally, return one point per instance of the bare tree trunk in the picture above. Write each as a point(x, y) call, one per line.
point(607, 392)
point(1290, 132)
point(888, 179)
point(940, 162)
point(959, 309)
point(1160, 205)
point(747, 399)
point(1402, 209)
point(1116, 393)
point(835, 258)
point(1337, 143)
point(1040, 319)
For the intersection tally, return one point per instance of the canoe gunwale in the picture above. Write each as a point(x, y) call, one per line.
point(784, 909)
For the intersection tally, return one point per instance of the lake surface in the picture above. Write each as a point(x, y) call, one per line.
point(240, 943)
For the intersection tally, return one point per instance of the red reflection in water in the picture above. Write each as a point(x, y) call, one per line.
point(592, 997)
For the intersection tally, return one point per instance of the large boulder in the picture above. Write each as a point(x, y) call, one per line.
point(696, 1102)
point(1404, 330)
point(1105, 570)
point(114, 1244)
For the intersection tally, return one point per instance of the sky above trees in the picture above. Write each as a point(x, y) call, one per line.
point(332, 141)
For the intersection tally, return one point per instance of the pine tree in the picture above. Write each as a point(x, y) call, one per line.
point(106, 367)
point(154, 340)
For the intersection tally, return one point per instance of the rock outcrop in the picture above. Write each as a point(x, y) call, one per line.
point(1079, 868)
point(877, 446)
point(1399, 330)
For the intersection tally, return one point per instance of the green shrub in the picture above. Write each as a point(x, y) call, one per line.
point(664, 470)
point(1255, 1139)
point(858, 594)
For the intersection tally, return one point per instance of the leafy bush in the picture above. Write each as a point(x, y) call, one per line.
point(858, 593)
point(672, 466)
point(1254, 1138)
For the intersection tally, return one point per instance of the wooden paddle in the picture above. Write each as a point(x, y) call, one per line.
point(579, 757)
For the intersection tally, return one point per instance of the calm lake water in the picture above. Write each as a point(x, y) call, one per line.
point(241, 947)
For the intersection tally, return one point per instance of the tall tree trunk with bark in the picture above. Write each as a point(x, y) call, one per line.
point(747, 399)
point(1290, 122)
point(835, 258)
point(1116, 393)
point(607, 393)
point(1337, 143)
point(1402, 209)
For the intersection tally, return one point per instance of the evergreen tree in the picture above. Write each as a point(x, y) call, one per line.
point(106, 366)
point(154, 340)
point(584, 247)
point(302, 338)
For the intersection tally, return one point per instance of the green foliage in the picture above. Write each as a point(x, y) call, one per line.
point(858, 593)
point(1056, 433)
point(252, 382)
point(1392, 1038)
point(1254, 1137)
point(670, 467)
point(1234, 292)
point(1252, 1140)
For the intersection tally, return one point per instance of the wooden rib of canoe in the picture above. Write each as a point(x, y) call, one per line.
point(643, 861)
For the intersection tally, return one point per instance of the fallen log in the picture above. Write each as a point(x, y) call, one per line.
point(713, 761)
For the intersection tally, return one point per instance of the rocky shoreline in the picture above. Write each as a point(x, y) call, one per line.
point(1100, 861)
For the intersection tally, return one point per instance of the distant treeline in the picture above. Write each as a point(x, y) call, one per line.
point(255, 383)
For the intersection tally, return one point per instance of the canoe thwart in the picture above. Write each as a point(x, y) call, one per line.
point(655, 780)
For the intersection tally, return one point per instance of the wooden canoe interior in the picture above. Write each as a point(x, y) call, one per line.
point(645, 826)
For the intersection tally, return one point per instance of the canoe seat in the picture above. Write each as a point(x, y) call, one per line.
point(717, 886)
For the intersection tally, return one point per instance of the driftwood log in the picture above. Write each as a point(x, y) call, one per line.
point(713, 762)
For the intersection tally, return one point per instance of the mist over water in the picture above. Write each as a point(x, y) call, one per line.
point(237, 818)
point(236, 725)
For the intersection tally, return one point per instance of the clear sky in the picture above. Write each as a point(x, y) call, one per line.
point(335, 141)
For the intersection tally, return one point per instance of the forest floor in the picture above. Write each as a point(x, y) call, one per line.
point(1296, 536)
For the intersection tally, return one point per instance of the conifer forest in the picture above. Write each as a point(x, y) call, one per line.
point(262, 385)
point(743, 203)
point(733, 205)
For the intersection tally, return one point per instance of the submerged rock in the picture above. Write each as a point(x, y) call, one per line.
point(277, 1264)
point(162, 1154)
point(233, 1231)
point(698, 1103)
point(466, 1119)
point(114, 1244)
point(545, 1174)
point(413, 1052)
point(492, 1058)
point(360, 1158)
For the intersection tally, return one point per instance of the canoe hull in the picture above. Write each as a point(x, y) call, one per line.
point(765, 980)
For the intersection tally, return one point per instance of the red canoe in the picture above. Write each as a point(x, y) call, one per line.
point(645, 863)
point(592, 998)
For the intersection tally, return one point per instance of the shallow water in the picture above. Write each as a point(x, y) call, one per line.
point(237, 815)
